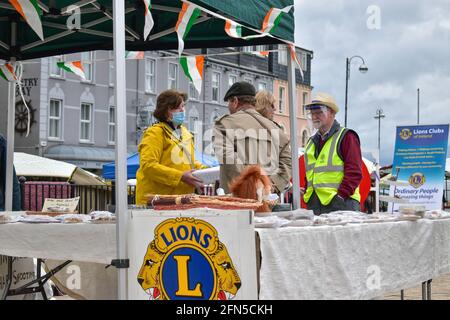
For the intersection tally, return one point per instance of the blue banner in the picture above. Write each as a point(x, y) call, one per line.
point(419, 160)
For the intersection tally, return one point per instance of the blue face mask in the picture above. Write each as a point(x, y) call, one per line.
point(178, 118)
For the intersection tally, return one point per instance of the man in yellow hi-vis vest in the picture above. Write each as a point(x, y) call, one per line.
point(332, 160)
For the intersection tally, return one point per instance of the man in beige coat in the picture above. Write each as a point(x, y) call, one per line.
point(245, 137)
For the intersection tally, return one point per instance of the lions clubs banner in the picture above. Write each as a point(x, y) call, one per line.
point(419, 159)
point(192, 255)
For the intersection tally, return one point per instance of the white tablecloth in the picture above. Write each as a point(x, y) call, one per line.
point(341, 262)
point(353, 261)
point(78, 242)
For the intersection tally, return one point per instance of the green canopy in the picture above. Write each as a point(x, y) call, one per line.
point(96, 31)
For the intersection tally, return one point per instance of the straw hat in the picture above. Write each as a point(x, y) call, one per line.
point(323, 99)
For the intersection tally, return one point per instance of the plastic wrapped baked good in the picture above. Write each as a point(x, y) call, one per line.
point(73, 218)
point(8, 218)
point(102, 217)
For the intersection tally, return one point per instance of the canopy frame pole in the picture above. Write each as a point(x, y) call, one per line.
point(66, 33)
point(4, 45)
point(43, 7)
point(121, 144)
point(109, 15)
point(171, 30)
point(10, 130)
point(6, 6)
point(87, 31)
point(78, 4)
point(293, 131)
point(165, 8)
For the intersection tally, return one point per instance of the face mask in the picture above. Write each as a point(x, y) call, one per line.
point(178, 118)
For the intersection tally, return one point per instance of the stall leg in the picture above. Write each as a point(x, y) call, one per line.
point(429, 289)
point(8, 278)
point(40, 282)
point(402, 294)
point(424, 291)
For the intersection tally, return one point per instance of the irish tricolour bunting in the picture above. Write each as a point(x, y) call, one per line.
point(188, 14)
point(138, 55)
point(233, 29)
point(74, 67)
point(7, 72)
point(295, 58)
point(193, 68)
point(148, 19)
point(272, 19)
point(30, 11)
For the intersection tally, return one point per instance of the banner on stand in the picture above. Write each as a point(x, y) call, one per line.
point(419, 160)
point(197, 254)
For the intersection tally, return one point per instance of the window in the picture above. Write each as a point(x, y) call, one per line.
point(304, 61)
point(54, 130)
point(215, 86)
point(232, 79)
point(173, 76)
point(248, 49)
point(260, 48)
point(262, 86)
point(87, 59)
point(249, 80)
point(281, 99)
point(55, 71)
point(282, 55)
point(193, 93)
point(112, 125)
point(85, 122)
point(150, 75)
point(305, 101)
point(192, 122)
point(112, 75)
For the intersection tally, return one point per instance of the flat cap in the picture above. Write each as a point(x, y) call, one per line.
point(241, 88)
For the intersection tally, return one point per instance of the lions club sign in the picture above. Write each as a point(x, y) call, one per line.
point(187, 261)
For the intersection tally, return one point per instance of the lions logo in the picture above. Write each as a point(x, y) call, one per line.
point(417, 179)
point(405, 134)
point(186, 260)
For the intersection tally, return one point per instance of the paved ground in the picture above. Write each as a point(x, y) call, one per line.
point(440, 290)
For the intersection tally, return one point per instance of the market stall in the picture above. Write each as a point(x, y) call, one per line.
point(45, 30)
point(346, 259)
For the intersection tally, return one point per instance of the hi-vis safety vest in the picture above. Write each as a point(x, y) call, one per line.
point(325, 174)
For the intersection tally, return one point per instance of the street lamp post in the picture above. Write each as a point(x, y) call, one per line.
point(362, 68)
point(379, 115)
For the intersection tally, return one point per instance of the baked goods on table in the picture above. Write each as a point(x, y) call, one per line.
point(102, 217)
point(8, 218)
point(190, 201)
point(73, 218)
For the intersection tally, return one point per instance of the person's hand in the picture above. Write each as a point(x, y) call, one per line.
point(302, 191)
point(191, 180)
point(339, 202)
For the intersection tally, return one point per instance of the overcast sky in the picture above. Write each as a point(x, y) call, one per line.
point(407, 48)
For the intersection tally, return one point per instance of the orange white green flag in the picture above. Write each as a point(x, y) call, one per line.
point(233, 29)
point(188, 14)
point(262, 54)
point(148, 19)
point(31, 13)
point(7, 72)
point(273, 18)
point(193, 68)
point(138, 55)
point(295, 58)
point(75, 67)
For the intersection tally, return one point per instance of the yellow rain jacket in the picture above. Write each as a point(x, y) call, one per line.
point(164, 158)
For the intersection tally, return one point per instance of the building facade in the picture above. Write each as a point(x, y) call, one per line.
point(74, 120)
point(302, 93)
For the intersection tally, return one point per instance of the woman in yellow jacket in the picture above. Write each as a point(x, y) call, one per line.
point(166, 152)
